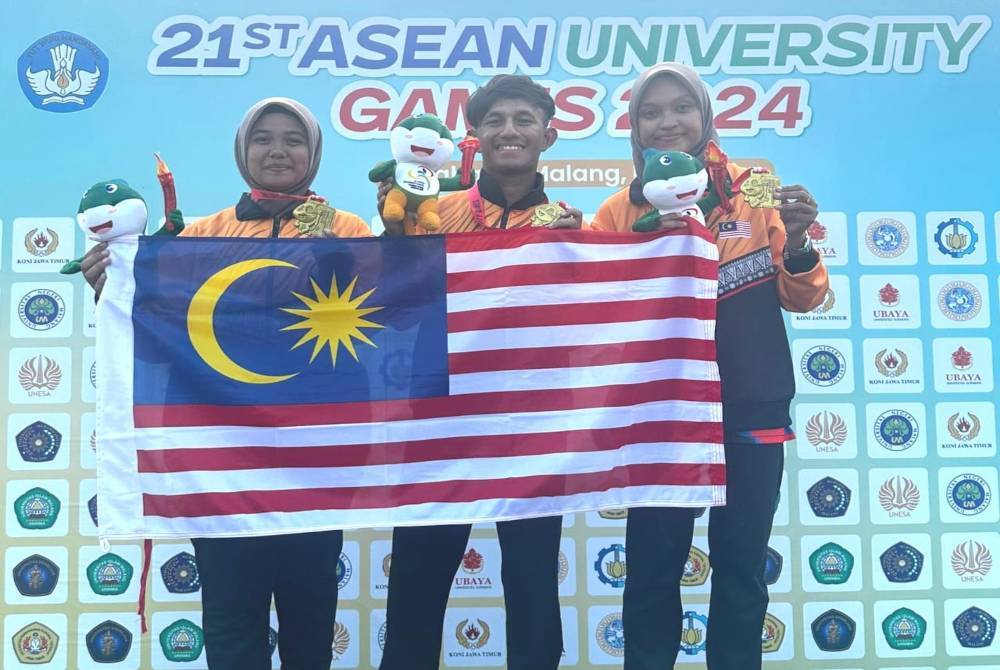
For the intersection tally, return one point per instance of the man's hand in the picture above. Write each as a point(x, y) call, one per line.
point(571, 219)
point(94, 264)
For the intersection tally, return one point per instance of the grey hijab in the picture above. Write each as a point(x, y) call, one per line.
point(694, 84)
point(314, 137)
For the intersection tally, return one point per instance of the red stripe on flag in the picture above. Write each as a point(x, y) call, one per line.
point(581, 313)
point(420, 451)
point(571, 273)
point(486, 240)
point(573, 356)
point(170, 416)
point(380, 497)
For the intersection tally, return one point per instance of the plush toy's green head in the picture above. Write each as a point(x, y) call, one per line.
point(673, 179)
point(422, 139)
point(111, 209)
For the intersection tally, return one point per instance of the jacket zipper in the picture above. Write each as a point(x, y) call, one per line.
point(504, 217)
point(276, 226)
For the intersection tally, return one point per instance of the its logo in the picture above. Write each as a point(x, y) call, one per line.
point(968, 494)
point(109, 642)
point(36, 509)
point(344, 571)
point(36, 643)
point(693, 632)
point(610, 635)
point(899, 496)
point(959, 300)
point(109, 575)
point(38, 443)
point(964, 428)
point(62, 72)
point(904, 629)
point(829, 498)
point(817, 232)
point(833, 631)
point(891, 364)
point(828, 302)
point(888, 295)
point(772, 635)
point(773, 563)
point(823, 365)
point(887, 238)
point(180, 573)
point(41, 309)
point(831, 564)
point(896, 430)
point(341, 639)
point(563, 566)
point(40, 243)
point(473, 562)
point(961, 359)
point(610, 565)
point(825, 429)
point(901, 563)
point(974, 628)
point(971, 561)
point(472, 635)
point(182, 641)
point(956, 238)
point(696, 568)
point(36, 576)
point(39, 376)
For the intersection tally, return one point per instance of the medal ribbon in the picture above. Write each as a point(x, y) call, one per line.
point(259, 194)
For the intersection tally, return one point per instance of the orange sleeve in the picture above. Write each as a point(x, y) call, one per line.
point(797, 292)
point(616, 214)
point(349, 224)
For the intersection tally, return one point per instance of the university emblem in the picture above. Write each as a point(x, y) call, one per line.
point(36, 576)
point(825, 429)
point(904, 629)
point(41, 309)
point(971, 561)
point(829, 498)
point(968, 494)
point(180, 573)
point(772, 566)
point(182, 641)
point(959, 300)
point(891, 364)
point(902, 563)
point(887, 238)
point(109, 575)
point(974, 628)
point(694, 627)
point(62, 72)
point(472, 635)
point(92, 508)
point(961, 359)
point(833, 631)
point(823, 365)
point(610, 634)
point(344, 571)
point(341, 639)
point(610, 565)
point(35, 644)
point(899, 496)
point(956, 238)
point(817, 232)
point(772, 635)
point(563, 566)
point(38, 443)
point(41, 243)
point(109, 642)
point(613, 514)
point(39, 375)
point(896, 430)
point(964, 428)
point(888, 295)
point(831, 564)
point(696, 568)
point(473, 562)
point(36, 509)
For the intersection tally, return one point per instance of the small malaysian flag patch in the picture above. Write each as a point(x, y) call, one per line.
point(734, 229)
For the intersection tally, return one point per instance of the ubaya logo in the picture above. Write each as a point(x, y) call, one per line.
point(963, 362)
point(899, 496)
point(896, 430)
point(889, 310)
point(62, 72)
point(826, 431)
point(891, 364)
point(473, 563)
point(39, 376)
point(41, 309)
point(41, 243)
point(823, 365)
point(959, 300)
point(887, 238)
point(817, 233)
point(971, 561)
point(968, 494)
point(956, 237)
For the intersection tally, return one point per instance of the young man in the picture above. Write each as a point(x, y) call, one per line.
point(510, 115)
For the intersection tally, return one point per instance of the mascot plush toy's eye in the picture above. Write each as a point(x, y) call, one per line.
point(665, 160)
point(111, 188)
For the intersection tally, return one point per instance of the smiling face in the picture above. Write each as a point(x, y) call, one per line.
point(277, 151)
point(512, 136)
point(420, 145)
point(668, 117)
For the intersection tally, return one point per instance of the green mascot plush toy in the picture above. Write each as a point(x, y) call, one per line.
point(111, 209)
point(420, 146)
point(672, 182)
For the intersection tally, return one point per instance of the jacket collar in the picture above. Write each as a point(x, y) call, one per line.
point(247, 209)
point(490, 189)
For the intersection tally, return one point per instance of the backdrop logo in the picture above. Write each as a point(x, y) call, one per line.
point(62, 72)
point(959, 301)
point(896, 430)
point(971, 561)
point(902, 563)
point(887, 238)
point(823, 365)
point(968, 494)
point(956, 238)
point(826, 431)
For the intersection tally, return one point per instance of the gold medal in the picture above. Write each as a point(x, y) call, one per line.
point(546, 214)
point(758, 190)
point(312, 216)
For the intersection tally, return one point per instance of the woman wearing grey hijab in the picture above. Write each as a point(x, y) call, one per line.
point(768, 264)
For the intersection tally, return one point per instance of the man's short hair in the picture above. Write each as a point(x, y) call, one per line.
point(505, 87)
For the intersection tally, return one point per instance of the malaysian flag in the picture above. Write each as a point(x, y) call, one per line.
point(734, 229)
point(290, 385)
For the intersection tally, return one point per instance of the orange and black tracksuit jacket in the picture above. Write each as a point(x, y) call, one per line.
point(455, 209)
point(755, 283)
point(249, 219)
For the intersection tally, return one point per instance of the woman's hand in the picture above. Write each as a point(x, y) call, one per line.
point(672, 221)
point(797, 211)
point(93, 266)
